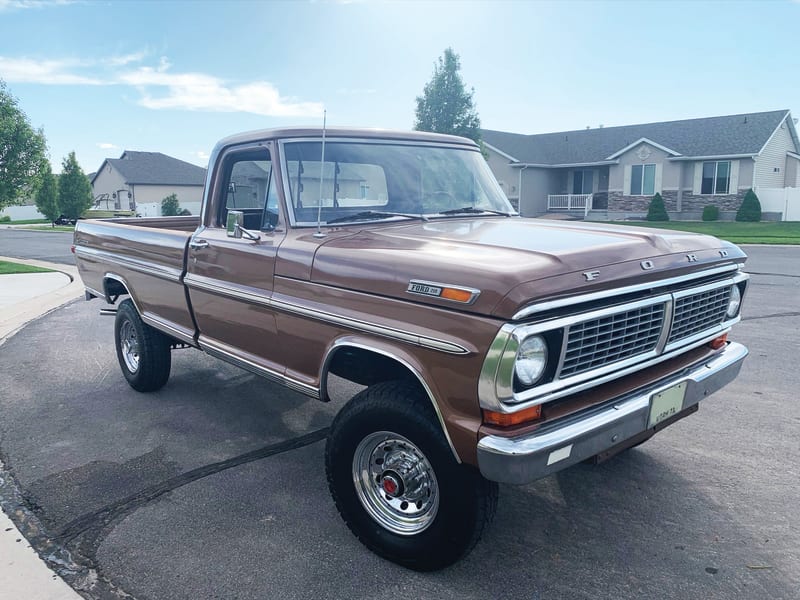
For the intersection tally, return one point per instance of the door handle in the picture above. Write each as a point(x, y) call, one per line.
point(198, 244)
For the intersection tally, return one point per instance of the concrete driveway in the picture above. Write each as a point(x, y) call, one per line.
point(214, 487)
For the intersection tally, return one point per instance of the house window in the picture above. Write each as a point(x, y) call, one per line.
point(582, 182)
point(643, 180)
point(716, 177)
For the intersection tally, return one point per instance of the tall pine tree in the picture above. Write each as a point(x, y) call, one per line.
point(47, 194)
point(445, 105)
point(74, 188)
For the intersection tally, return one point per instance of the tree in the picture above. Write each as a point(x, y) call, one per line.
point(445, 105)
point(750, 210)
point(74, 188)
point(47, 194)
point(22, 152)
point(657, 211)
point(170, 206)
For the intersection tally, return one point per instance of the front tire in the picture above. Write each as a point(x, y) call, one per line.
point(142, 351)
point(396, 483)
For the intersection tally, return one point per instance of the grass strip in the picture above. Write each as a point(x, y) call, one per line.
point(784, 232)
point(13, 268)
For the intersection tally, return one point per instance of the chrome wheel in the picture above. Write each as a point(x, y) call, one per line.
point(395, 483)
point(130, 346)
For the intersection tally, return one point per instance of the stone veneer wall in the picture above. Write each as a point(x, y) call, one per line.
point(618, 202)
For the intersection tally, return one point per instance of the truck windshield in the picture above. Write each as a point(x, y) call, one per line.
point(388, 181)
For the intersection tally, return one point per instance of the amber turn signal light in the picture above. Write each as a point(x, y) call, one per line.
point(456, 294)
point(719, 342)
point(491, 417)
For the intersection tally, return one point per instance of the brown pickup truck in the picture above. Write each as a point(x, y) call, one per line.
point(493, 348)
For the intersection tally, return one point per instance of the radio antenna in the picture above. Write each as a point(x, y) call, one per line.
point(319, 233)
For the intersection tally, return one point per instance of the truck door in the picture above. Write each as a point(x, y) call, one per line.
point(230, 279)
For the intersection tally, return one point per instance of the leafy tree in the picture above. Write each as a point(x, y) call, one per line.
point(74, 188)
point(657, 211)
point(47, 195)
point(170, 206)
point(445, 105)
point(22, 152)
point(750, 210)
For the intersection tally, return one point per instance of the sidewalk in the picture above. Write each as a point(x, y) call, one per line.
point(24, 298)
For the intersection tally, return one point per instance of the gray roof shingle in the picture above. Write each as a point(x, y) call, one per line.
point(710, 136)
point(155, 168)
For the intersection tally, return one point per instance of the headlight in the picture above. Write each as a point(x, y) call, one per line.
point(531, 360)
point(734, 302)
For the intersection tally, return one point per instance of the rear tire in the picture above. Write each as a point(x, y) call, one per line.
point(396, 483)
point(142, 351)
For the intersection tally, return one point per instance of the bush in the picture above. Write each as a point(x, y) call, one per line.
point(185, 212)
point(5, 219)
point(710, 213)
point(656, 211)
point(170, 206)
point(750, 210)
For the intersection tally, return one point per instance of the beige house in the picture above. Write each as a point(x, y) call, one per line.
point(139, 181)
point(614, 171)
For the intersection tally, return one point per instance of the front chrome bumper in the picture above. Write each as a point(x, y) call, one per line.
point(555, 447)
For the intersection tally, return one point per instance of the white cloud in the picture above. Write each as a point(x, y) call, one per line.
point(159, 87)
point(125, 59)
point(106, 145)
point(198, 91)
point(9, 5)
point(49, 72)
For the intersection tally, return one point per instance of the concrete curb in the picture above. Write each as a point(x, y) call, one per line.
point(14, 317)
point(23, 574)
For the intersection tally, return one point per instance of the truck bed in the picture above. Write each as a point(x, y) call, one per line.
point(146, 257)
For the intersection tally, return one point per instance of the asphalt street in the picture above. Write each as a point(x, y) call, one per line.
point(214, 486)
point(52, 246)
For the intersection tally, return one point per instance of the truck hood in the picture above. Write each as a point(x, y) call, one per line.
point(512, 261)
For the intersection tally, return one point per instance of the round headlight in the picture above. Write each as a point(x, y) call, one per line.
point(531, 360)
point(734, 302)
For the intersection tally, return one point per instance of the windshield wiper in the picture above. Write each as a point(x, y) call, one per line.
point(473, 210)
point(375, 215)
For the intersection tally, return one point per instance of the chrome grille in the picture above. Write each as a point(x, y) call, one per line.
point(609, 339)
point(698, 312)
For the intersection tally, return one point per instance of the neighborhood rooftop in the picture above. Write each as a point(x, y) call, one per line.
point(732, 135)
point(155, 168)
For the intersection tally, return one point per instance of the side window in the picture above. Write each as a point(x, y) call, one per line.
point(246, 188)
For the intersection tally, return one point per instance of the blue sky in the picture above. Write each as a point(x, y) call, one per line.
point(174, 77)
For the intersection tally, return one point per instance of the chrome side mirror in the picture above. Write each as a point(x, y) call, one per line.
point(234, 223)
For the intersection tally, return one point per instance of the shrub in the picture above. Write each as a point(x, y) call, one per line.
point(185, 212)
point(170, 206)
point(656, 211)
point(710, 213)
point(5, 219)
point(750, 210)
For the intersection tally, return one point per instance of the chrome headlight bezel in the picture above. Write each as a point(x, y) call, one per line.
point(734, 302)
point(531, 360)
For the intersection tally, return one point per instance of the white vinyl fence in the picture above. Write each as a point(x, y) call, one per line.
point(782, 200)
point(21, 213)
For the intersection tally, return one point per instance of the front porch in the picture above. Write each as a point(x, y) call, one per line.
point(577, 203)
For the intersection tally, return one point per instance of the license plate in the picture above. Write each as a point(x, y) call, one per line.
point(666, 404)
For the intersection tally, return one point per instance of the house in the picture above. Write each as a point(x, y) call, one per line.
point(139, 181)
point(615, 171)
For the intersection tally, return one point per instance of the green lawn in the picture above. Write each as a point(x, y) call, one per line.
point(11, 268)
point(25, 222)
point(51, 228)
point(785, 232)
